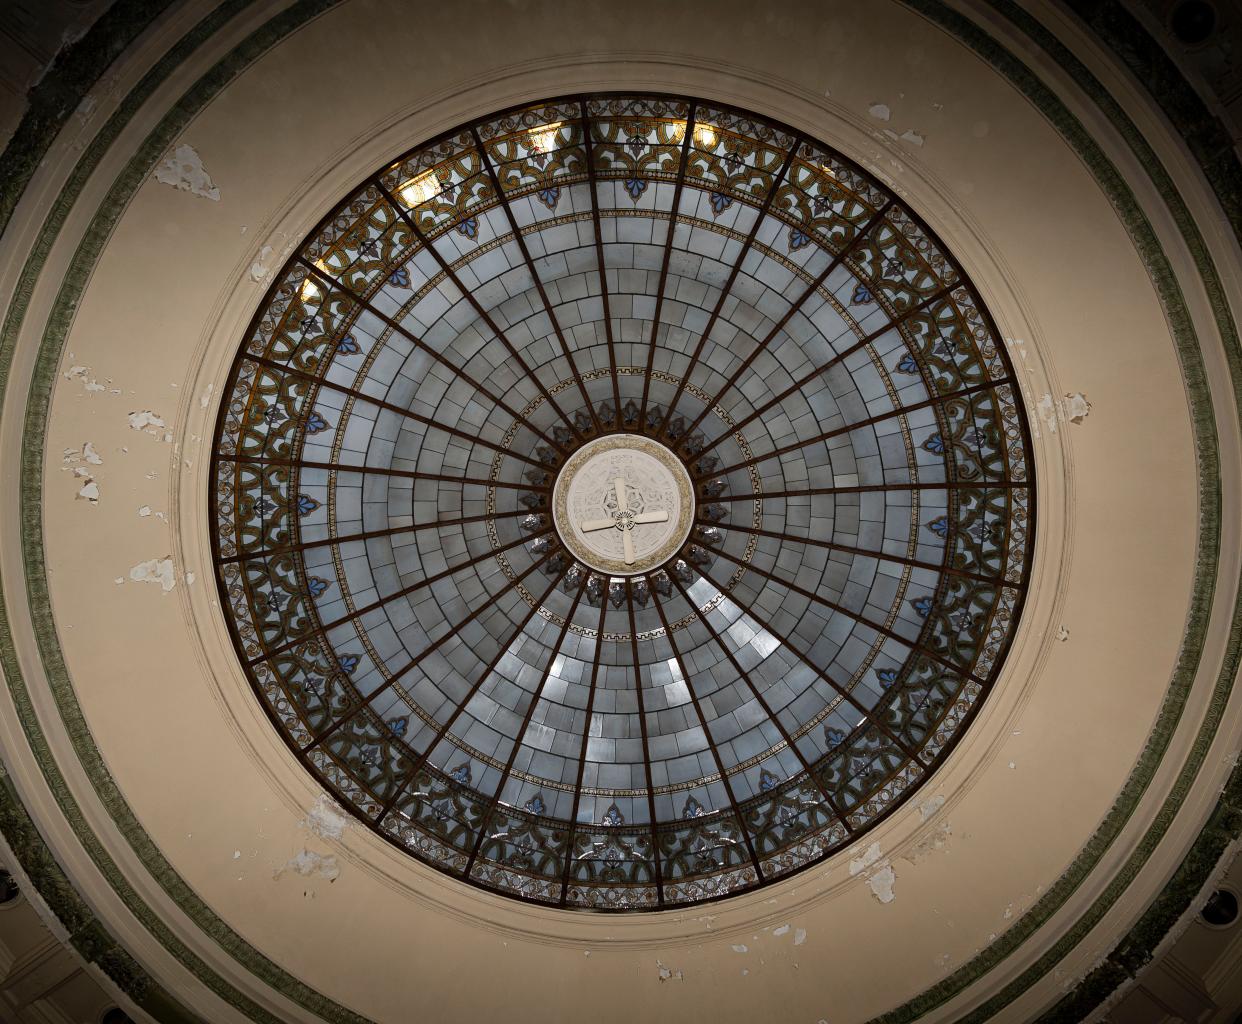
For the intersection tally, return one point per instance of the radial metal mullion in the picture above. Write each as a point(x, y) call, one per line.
point(586, 736)
point(763, 703)
point(407, 474)
point(711, 743)
point(827, 435)
point(443, 730)
point(657, 868)
point(520, 239)
point(821, 673)
point(728, 285)
point(526, 720)
point(380, 403)
point(956, 485)
point(589, 148)
point(913, 645)
point(434, 646)
point(389, 531)
point(455, 368)
point(403, 592)
point(829, 545)
point(796, 305)
point(668, 253)
point(824, 368)
point(447, 268)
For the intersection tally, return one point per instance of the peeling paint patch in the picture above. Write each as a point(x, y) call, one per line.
point(308, 863)
point(877, 871)
point(782, 930)
point(90, 489)
point(156, 570)
point(799, 936)
point(325, 819)
point(741, 948)
point(1047, 409)
point(205, 400)
point(934, 841)
point(1076, 407)
point(912, 136)
point(1063, 634)
point(82, 374)
point(930, 806)
point(183, 170)
point(666, 973)
point(880, 111)
point(148, 422)
point(259, 269)
point(881, 883)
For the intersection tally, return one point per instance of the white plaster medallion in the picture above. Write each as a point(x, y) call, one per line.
point(623, 504)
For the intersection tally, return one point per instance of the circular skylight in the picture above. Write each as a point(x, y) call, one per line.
point(622, 502)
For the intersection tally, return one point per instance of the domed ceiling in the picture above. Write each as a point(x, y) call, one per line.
point(622, 502)
point(546, 494)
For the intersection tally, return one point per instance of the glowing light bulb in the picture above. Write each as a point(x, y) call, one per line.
point(705, 135)
point(418, 190)
point(543, 139)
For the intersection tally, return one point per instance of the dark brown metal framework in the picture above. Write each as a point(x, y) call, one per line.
point(561, 449)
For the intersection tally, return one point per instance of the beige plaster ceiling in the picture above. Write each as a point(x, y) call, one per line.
point(227, 808)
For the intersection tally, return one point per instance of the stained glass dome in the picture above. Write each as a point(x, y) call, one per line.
point(622, 502)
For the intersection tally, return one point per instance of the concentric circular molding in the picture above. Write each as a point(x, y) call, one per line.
point(622, 502)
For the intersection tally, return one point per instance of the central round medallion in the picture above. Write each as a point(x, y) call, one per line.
point(623, 504)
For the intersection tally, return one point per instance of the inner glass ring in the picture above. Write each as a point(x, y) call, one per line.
point(623, 504)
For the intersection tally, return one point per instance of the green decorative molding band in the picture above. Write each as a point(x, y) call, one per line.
point(136, 171)
point(71, 75)
point(86, 934)
point(61, 319)
point(1148, 247)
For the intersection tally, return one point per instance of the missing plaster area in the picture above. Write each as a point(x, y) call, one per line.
point(183, 170)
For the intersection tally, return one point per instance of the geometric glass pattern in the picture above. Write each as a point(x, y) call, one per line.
point(670, 268)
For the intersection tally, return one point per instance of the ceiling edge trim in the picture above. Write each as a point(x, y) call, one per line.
point(1155, 746)
point(72, 73)
point(35, 857)
point(1109, 975)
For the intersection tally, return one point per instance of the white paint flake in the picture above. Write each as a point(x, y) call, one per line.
point(146, 420)
point(880, 111)
point(309, 863)
point(782, 930)
point(82, 374)
point(878, 872)
point(912, 136)
point(741, 948)
point(930, 806)
point(259, 269)
point(881, 882)
point(1047, 409)
point(156, 570)
point(1076, 407)
point(1063, 634)
point(325, 819)
point(665, 973)
point(144, 511)
point(183, 170)
point(799, 936)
